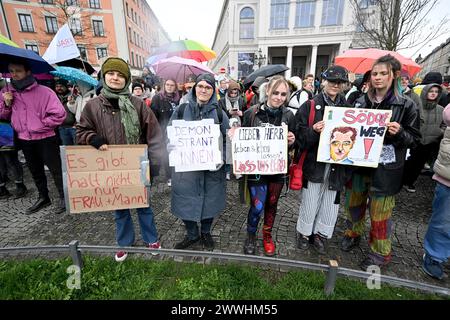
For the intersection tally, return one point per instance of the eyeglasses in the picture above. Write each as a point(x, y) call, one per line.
point(206, 88)
point(276, 93)
point(341, 144)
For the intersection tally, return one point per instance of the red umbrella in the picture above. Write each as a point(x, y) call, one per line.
point(361, 60)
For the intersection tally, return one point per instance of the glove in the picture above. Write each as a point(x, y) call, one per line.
point(97, 141)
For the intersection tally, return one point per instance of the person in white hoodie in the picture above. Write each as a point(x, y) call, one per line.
point(78, 103)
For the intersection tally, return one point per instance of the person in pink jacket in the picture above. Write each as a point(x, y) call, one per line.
point(35, 112)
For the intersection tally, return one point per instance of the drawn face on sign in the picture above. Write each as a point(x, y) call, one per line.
point(341, 142)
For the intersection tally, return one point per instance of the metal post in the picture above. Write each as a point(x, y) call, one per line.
point(331, 277)
point(75, 254)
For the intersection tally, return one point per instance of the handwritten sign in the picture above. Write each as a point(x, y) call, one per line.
point(353, 136)
point(105, 180)
point(260, 150)
point(197, 145)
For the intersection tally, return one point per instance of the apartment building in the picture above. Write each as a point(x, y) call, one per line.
point(125, 28)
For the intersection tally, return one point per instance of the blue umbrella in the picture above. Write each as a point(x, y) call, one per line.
point(72, 74)
point(37, 64)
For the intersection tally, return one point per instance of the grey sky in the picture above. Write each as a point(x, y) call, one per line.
point(197, 20)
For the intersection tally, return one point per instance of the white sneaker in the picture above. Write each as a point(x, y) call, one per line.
point(169, 182)
point(121, 256)
point(155, 245)
point(228, 177)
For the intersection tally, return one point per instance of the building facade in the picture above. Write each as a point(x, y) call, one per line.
point(125, 28)
point(438, 61)
point(305, 35)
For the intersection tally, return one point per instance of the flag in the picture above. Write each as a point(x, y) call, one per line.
point(63, 47)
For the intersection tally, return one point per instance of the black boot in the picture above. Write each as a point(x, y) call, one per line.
point(4, 193)
point(41, 203)
point(21, 191)
point(250, 244)
point(60, 206)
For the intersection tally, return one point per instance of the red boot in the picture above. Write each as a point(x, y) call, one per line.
point(269, 246)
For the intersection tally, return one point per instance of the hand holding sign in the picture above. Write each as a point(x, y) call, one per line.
point(393, 128)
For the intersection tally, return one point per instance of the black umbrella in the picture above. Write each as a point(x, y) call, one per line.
point(77, 63)
point(266, 71)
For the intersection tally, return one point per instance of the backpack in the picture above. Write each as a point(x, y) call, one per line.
point(182, 107)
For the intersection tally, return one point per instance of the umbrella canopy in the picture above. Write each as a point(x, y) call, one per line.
point(361, 60)
point(37, 64)
point(266, 71)
point(188, 49)
point(5, 40)
point(78, 64)
point(179, 68)
point(72, 74)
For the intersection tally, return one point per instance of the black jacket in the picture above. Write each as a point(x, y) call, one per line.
point(163, 110)
point(256, 116)
point(308, 140)
point(386, 180)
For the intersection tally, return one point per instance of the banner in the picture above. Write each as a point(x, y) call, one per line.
point(63, 47)
point(105, 180)
point(354, 136)
point(260, 150)
point(197, 145)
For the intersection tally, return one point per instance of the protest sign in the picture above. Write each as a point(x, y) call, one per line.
point(260, 150)
point(105, 180)
point(197, 145)
point(353, 136)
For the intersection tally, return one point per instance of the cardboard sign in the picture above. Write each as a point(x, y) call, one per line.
point(105, 180)
point(260, 150)
point(197, 145)
point(354, 136)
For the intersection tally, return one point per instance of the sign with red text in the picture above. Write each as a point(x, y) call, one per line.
point(353, 136)
point(197, 145)
point(260, 150)
point(105, 180)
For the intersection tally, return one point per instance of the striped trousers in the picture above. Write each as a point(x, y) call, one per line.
point(317, 213)
point(357, 199)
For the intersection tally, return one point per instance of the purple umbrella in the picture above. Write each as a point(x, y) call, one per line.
point(179, 68)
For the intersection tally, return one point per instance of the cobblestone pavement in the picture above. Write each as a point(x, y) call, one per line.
point(410, 219)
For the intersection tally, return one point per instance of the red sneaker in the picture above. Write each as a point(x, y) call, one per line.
point(269, 245)
point(121, 256)
point(154, 245)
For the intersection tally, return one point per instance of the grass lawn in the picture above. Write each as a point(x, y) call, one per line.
point(136, 278)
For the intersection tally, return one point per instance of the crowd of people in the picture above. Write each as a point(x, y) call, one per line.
point(123, 111)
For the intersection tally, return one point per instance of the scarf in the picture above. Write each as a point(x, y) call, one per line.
point(129, 115)
point(232, 103)
point(430, 105)
point(21, 85)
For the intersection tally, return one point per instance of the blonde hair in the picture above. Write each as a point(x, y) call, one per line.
point(275, 82)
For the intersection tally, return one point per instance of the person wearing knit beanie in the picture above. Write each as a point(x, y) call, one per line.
point(116, 64)
point(232, 85)
point(432, 77)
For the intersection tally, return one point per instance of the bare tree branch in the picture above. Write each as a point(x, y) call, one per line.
point(397, 24)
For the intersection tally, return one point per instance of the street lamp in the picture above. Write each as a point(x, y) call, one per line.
point(260, 58)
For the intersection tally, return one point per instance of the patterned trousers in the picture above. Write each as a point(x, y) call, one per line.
point(357, 199)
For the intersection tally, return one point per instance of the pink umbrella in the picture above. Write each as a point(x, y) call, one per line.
point(361, 60)
point(179, 68)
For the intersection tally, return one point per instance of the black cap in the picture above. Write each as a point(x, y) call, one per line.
point(62, 82)
point(335, 73)
point(208, 78)
point(137, 84)
point(432, 77)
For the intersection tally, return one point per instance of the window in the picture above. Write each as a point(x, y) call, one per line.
point(247, 24)
point(132, 14)
point(47, 1)
point(132, 58)
point(279, 14)
point(83, 52)
point(26, 23)
point(364, 4)
point(128, 12)
point(131, 34)
point(305, 13)
point(51, 24)
point(332, 12)
point(102, 53)
point(94, 4)
point(75, 26)
point(72, 2)
point(32, 47)
point(98, 28)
